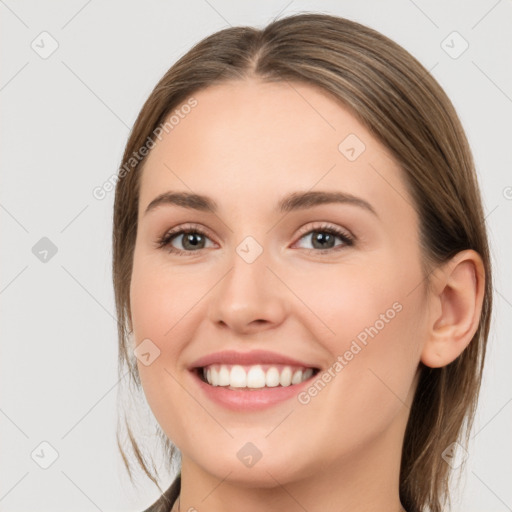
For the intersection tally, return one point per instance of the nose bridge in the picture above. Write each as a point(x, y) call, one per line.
point(249, 273)
point(249, 291)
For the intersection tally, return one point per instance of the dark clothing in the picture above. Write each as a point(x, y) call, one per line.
point(167, 499)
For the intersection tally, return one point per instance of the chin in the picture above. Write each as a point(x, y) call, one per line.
point(262, 474)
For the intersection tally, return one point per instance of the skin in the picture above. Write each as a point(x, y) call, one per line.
point(246, 145)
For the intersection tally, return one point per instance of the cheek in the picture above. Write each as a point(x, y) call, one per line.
point(166, 305)
point(368, 385)
point(342, 302)
point(150, 306)
point(368, 319)
point(156, 308)
point(160, 301)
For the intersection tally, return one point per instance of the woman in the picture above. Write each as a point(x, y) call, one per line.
point(301, 273)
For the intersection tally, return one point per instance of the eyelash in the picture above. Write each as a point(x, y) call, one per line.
point(165, 240)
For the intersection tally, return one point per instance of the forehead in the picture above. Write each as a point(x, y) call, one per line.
point(248, 140)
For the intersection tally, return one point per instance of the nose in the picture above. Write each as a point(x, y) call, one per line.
point(250, 297)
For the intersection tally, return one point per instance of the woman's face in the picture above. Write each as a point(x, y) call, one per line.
point(268, 271)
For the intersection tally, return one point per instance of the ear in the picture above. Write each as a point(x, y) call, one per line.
point(458, 291)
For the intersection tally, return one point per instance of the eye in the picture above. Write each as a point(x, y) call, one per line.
point(323, 238)
point(191, 238)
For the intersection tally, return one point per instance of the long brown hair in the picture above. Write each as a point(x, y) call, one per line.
point(404, 107)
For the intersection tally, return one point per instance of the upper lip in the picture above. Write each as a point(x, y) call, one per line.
point(247, 358)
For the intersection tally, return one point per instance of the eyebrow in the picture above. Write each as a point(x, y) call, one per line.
point(291, 202)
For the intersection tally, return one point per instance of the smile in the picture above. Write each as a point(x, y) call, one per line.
point(255, 376)
point(250, 381)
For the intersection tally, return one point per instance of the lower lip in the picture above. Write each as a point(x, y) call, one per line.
point(250, 399)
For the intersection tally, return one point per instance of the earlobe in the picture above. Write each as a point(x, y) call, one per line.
point(458, 293)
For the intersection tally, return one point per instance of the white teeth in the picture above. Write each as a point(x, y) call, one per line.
point(256, 377)
point(236, 376)
point(214, 375)
point(297, 377)
point(223, 376)
point(272, 379)
point(286, 376)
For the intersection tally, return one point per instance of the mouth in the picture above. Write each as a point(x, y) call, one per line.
point(239, 377)
point(251, 381)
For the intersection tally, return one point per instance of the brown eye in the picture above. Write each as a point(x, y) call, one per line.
point(191, 240)
point(323, 239)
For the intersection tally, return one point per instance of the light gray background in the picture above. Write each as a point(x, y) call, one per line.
point(64, 123)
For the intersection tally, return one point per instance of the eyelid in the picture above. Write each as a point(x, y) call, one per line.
point(321, 225)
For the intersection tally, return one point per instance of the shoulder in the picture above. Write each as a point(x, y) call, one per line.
point(165, 502)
